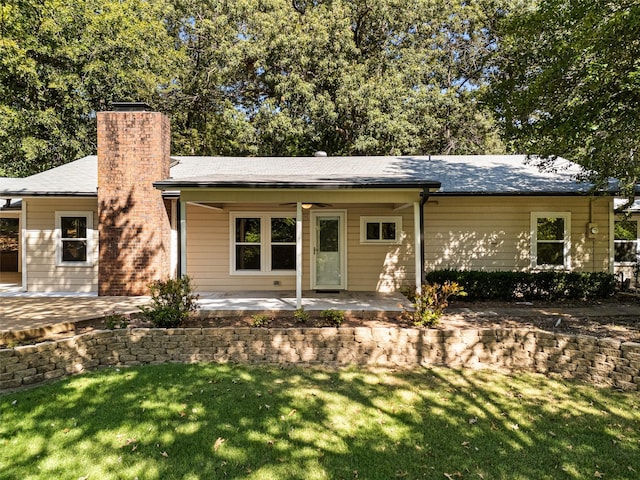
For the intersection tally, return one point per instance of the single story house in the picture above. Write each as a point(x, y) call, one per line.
point(112, 223)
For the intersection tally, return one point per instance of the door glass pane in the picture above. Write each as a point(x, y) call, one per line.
point(248, 230)
point(328, 234)
point(283, 257)
point(247, 257)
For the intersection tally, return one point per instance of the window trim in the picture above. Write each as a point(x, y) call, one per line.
point(365, 219)
point(566, 251)
point(637, 242)
point(88, 215)
point(265, 243)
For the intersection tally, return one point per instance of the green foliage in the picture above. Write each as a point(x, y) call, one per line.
point(260, 320)
point(248, 78)
point(301, 315)
point(429, 305)
point(568, 84)
point(335, 318)
point(547, 285)
point(117, 320)
point(172, 301)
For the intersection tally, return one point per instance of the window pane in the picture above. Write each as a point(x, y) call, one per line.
point(283, 257)
point(247, 257)
point(626, 252)
point(550, 228)
point(248, 230)
point(74, 251)
point(626, 230)
point(551, 254)
point(73, 227)
point(388, 230)
point(283, 230)
point(373, 231)
point(328, 234)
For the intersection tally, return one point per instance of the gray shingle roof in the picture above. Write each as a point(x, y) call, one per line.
point(466, 174)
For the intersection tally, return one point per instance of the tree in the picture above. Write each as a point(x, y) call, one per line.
point(283, 77)
point(568, 84)
point(63, 60)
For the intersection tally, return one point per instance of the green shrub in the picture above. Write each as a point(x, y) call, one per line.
point(431, 302)
point(260, 320)
point(115, 320)
point(547, 285)
point(171, 302)
point(334, 318)
point(301, 315)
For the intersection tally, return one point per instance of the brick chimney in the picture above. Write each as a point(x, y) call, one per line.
point(134, 228)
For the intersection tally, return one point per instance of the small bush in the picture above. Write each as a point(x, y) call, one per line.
point(115, 320)
point(431, 302)
point(171, 302)
point(301, 315)
point(260, 320)
point(335, 318)
point(507, 286)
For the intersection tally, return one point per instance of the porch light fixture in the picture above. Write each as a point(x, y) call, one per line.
point(307, 206)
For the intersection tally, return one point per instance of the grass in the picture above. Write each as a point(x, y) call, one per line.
point(223, 421)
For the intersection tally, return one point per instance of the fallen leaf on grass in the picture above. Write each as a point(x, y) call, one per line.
point(218, 444)
point(473, 420)
point(451, 475)
point(598, 474)
point(164, 454)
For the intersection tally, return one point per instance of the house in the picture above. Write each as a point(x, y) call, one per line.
point(112, 223)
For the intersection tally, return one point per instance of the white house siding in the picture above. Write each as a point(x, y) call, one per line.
point(493, 233)
point(370, 267)
point(43, 275)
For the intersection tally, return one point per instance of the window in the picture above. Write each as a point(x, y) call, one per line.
point(263, 243)
point(550, 240)
point(626, 241)
point(384, 230)
point(74, 232)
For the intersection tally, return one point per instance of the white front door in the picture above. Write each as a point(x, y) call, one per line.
point(328, 259)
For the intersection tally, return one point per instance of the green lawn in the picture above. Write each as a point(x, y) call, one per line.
point(222, 421)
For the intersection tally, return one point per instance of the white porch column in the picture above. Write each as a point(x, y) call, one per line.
point(183, 239)
point(417, 246)
point(24, 245)
point(299, 255)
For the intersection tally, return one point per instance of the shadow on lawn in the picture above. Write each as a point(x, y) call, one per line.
point(259, 422)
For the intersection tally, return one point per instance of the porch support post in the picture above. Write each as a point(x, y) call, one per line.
point(299, 255)
point(182, 267)
point(417, 242)
point(24, 244)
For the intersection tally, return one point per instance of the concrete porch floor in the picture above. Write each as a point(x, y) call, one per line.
point(27, 311)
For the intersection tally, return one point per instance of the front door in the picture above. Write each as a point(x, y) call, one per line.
point(328, 262)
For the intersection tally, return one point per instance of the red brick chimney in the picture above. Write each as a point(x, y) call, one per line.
point(134, 228)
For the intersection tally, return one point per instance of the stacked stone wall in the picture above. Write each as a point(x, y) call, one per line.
point(602, 361)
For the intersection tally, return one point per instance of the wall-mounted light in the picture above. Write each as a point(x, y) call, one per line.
point(307, 206)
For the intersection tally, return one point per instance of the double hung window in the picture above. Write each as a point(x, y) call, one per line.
point(74, 231)
point(263, 243)
point(626, 241)
point(550, 240)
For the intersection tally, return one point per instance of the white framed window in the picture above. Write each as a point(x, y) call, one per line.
point(625, 241)
point(551, 240)
point(262, 243)
point(74, 238)
point(385, 229)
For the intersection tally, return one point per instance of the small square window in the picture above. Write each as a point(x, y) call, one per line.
point(74, 238)
point(626, 241)
point(384, 230)
point(550, 240)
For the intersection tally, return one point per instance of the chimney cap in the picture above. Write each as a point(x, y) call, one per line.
point(130, 107)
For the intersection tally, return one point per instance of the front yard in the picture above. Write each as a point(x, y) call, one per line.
point(222, 421)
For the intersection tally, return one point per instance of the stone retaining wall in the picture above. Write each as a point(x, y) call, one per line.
point(603, 361)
